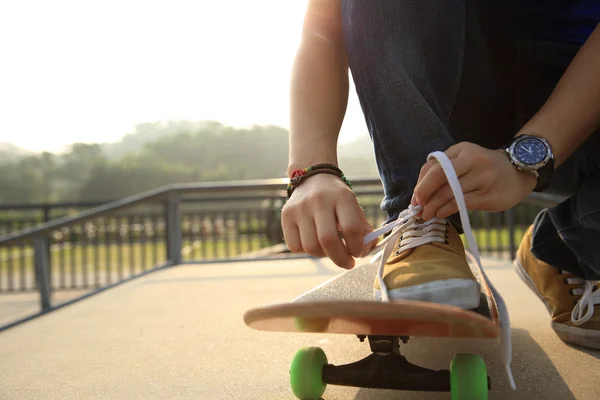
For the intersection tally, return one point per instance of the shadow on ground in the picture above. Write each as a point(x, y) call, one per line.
point(534, 372)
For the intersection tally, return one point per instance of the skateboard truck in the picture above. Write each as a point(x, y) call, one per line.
point(386, 368)
point(363, 337)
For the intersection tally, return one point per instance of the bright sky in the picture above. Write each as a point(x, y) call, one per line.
point(86, 71)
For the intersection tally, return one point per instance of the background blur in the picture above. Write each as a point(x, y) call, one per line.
point(103, 100)
point(106, 107)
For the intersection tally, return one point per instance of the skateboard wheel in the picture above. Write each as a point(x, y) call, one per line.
point(309, 324)
point(468, 378)
point(306, 373)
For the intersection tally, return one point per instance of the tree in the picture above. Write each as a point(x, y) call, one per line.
point(163, 153)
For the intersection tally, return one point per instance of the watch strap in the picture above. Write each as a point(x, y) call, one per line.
point(543, 178)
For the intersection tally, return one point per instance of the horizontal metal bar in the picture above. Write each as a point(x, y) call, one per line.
point(54, 206)
point(276, 187)
point(544, 199)
point(156, 195)
point(159, 267)
point(283, 256)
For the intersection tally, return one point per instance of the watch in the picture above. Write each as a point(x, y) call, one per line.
point(532, 154)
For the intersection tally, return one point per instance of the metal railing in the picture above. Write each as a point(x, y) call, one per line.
point(105, 245)
point(15, 217)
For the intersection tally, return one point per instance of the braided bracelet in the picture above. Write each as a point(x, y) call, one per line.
point(299, 175)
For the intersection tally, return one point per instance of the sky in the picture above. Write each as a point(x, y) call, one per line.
point(83, 71)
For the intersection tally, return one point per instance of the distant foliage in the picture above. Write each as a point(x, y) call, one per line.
point(156, 154)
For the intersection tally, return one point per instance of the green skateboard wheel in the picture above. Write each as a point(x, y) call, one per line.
point(311, 324)
point(468, 378)
point(306, 373)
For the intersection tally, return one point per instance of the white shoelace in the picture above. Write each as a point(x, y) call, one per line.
point(590, 296)
point(414, 234)
point(418, 234)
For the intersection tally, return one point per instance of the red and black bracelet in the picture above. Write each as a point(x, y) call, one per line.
point(299, 175)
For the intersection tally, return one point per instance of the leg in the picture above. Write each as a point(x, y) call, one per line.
point(558, 257)
point(426, 80)
point(567, 236)
point(563, 236)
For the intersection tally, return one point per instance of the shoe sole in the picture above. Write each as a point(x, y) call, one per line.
point(439, 292)
point(569, 334)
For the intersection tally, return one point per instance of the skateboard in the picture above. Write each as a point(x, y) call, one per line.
point(345, 305)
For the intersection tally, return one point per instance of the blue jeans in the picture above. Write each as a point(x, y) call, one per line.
point(430, 73)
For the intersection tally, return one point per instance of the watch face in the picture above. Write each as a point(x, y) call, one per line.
point(530, 151)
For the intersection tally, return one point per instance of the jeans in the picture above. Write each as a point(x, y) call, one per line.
point(429, 74)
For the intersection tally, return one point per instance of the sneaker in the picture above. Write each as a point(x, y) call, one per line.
point(570, 300)
point(430, 265)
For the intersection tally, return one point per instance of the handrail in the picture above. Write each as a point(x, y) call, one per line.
point(545, 199)
point(37, 206)
point(172, 197)
point(160, 194)
point(277, 184)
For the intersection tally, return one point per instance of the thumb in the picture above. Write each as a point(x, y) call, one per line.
point(367, 228)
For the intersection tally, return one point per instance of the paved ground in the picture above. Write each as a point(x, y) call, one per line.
point(14, 306)
point(179, 334)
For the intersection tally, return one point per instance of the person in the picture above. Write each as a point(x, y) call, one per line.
point(509, 90)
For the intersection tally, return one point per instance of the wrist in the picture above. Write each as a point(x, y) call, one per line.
point(526, 179)
point(532, 154)
point(296, 165)
point(299, 175)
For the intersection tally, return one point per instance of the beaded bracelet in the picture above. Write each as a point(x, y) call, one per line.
point(299, 175)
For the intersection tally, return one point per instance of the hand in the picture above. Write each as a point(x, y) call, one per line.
point(488, 180)
point(319, 210)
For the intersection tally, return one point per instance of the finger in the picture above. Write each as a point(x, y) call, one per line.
point(468, 183)
point(452, 152)
point(309, 239)
point(330, 240)
point(473, 201)
point(369, 246)
point(291, 236)
point(424, 169)
point(435, 178)
point(352, 226)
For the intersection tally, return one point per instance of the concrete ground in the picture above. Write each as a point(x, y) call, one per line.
point(179, 334)
point(15, 306)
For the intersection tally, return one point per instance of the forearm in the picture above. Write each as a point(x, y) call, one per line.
point(318, 95)
point(572, 113)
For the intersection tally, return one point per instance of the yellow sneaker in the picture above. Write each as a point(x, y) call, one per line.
point(570, 300)
point(430, 265)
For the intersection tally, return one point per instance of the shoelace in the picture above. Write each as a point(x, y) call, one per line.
point(425, 233)
point(590, 296)
point(414, 234)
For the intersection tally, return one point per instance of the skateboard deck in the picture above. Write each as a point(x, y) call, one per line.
point(345, 305)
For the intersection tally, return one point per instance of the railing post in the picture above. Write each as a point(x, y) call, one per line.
point(46, 218)
point(42, 271)
point(510, 221)
point(173, 221)
point(273, 222)
point(46, 213)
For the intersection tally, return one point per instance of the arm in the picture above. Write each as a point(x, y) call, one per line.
point(572, 113)
point(490, 182)
point(319, 87)
point(323, 209)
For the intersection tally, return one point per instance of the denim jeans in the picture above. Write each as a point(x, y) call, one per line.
point(431, 73)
